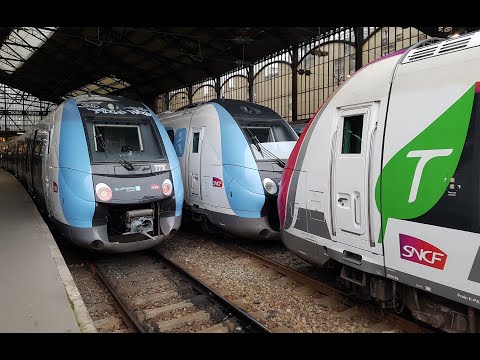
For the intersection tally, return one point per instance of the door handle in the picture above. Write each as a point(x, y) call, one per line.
point(355, 206)
point(368, 195)
point(342, 199)
point(333, 144)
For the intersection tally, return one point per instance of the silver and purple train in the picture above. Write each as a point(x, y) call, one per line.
point(104, 170)
point(383, 186)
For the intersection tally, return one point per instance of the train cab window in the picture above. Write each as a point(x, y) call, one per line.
point(268, 131)
point(263, 134)
point(196, 138)
point(110, 138)
point(119, 138)
point(171, 135)
point(352, 134)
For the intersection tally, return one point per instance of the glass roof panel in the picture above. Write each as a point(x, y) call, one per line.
point(102, 86)
point(21, 44)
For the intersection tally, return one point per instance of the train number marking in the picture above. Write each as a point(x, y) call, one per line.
point(390, 276)
point(159, 167)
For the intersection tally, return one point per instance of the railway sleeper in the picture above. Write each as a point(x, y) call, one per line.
point(109, 324)
point(198, 316)
point(148, 314)
point(223, 327)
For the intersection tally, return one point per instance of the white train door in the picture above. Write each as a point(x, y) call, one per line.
point(351, 194)
point(194, 163)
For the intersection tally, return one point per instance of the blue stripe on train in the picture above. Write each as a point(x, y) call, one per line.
point(243, 185)
point(174, 164)
point(75, 184)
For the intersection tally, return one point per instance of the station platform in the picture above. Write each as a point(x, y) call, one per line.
point(37, 292)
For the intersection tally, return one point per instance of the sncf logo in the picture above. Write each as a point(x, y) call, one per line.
point(217, 182)
point(422, 252)
point(155, 187)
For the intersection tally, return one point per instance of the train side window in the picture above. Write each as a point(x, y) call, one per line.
point(352, 134)
point(196, 138)
point(49, 140)
point(171, 135)
point(26, 151)
point(38, 147)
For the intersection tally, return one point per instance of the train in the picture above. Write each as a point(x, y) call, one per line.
point(232, 154)
point(383, 186)
point(103, 170)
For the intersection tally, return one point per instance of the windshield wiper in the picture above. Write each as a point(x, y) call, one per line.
point(259, 147)
point(125, 163)
point(256, 142)
point(273, 156)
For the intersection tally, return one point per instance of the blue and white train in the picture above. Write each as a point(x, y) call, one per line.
point(104, 170)
point(232, 155)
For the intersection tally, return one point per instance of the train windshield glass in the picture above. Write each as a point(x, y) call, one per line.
point(117, 138)
point(111, 141)
point(266, 132)
point(274, 136)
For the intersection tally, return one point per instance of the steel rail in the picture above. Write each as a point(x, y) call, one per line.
point(127, 315)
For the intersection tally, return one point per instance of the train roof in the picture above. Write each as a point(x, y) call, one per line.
point(239, 109)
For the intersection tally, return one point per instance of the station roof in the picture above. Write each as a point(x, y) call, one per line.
point(52, 63)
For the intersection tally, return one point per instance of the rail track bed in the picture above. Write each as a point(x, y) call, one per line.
point(284, 298)
point(205, 283)
point(141, 292)
point(326, 284)
point(278, 253)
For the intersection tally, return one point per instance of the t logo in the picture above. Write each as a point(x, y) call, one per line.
point(425, 156)
point(429, 171)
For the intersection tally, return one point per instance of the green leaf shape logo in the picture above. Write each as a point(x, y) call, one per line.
point(416, 177)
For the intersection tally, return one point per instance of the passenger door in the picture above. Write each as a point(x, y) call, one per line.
point(33, 160)
point(194, 163)
point(17, 159)
point(40, 163)
point(351, 189)
point(49, 172)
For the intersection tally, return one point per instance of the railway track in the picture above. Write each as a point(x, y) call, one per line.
point(201, 283)
point(147, 293)
point(389, 322)
point(190, 251)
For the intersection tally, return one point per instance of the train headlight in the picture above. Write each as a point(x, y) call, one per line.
point(103, 192)
point(269, 186)
point(167, 187)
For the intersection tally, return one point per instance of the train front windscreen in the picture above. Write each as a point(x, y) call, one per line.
point(131, 140)
point(114, 135)
point(268, 137)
